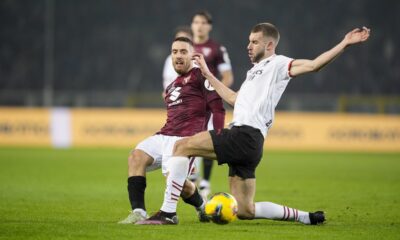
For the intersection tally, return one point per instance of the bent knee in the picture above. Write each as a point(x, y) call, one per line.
point(136, 159)
point(246, 212)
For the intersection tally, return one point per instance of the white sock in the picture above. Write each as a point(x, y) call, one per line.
point(204, 184)
point(140, 211)
point(274, 211)
point(178, 168)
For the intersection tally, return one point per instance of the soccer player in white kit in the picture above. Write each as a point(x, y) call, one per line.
point(241, 146)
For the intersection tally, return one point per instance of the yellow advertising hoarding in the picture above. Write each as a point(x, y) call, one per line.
point(24, 127)
point(114, 127)
point(126, 127)
point(343, 132)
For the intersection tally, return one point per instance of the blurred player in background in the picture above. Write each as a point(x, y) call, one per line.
point(187, 101)
point(217, 60)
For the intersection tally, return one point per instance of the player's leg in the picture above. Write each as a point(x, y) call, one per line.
point(179, 166)
point(191, 196)
point(146, 157)
point(243, 190)
point(188, 189)
point(195, 174)
point(205, 185)
point(269, 210)
point(208, 163)
point(243, 184)
point(198, 145)
point(248, 210)
point(138, 160)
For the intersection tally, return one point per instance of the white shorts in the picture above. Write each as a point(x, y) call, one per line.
point(160, 148)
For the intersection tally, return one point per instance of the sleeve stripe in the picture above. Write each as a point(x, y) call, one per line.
point(289, 67)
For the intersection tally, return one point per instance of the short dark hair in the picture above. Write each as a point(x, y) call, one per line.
point(184, 39)
point(185, 29)
point(268, 30)
point(204, 14)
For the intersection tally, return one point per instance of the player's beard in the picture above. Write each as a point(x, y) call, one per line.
point(183, 70)
point(258, 56)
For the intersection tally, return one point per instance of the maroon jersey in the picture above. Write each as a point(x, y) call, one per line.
point(216, 57)
point(187, 101)
point(214, 54)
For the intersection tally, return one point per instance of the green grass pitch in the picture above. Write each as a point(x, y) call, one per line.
point(81, 194)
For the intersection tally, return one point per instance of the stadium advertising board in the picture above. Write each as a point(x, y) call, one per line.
point(126, 127)
point(24, 127)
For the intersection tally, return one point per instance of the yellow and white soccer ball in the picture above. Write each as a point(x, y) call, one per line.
point(221, 208)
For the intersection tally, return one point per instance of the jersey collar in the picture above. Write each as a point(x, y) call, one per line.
point(265, 60)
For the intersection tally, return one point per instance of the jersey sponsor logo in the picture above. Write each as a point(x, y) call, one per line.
point(206, 51)
point(258, 72)
point(175, 93)
point(208, 86)
point(175, 103)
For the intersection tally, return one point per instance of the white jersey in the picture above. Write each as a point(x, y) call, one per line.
point(260, 93)
point(169, 73)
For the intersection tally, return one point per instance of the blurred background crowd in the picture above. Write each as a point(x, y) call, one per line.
point(100, 53)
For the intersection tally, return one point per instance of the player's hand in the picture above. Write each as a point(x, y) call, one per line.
point(198, 58)
point(357, 36)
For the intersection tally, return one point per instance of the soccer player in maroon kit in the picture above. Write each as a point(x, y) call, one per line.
point(187, 100)
point(218, 62)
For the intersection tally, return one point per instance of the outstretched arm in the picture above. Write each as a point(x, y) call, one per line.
point(302, 66)
point(226, 93)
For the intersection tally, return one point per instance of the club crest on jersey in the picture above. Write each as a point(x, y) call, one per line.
point(208, 86)
point(186, 80)
point(206, 51)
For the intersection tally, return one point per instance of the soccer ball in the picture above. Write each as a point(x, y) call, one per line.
point(221, 208)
